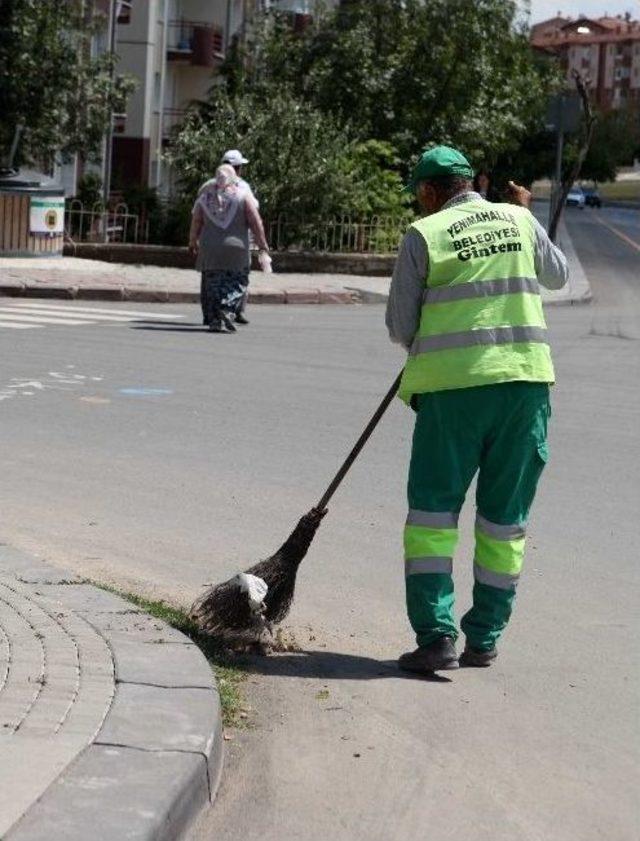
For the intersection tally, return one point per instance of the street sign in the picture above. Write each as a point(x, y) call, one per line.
point(564, 112)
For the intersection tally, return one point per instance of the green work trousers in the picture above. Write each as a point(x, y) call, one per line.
point(499, 431)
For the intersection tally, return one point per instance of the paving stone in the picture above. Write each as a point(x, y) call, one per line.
point(264, 296)
point(173, 719)
point(112, 794)
point(16, 564)
point(158, 296)
point(331, 297)
point(302, 296)
point(49, 290)
point(100, 293)
point(160, 664)
point(161, 737)
point(85, 598)
point(177, 297)
point(11, 288)
point(140, 626)
point(28, 767)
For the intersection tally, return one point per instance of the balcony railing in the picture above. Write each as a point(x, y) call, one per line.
point(171, 117)
point(193, 42)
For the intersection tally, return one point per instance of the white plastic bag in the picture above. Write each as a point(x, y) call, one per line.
point(256, 590)
point(265, 262)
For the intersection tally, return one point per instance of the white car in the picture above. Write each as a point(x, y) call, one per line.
point(575, 198)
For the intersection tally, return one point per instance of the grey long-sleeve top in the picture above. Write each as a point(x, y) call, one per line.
point(412, 266)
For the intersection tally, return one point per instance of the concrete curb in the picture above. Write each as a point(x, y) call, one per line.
point(284, 262)
point(578, 289)
point(154, 761)
point(17, 289)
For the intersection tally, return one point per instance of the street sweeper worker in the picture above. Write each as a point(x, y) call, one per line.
point(465, 303)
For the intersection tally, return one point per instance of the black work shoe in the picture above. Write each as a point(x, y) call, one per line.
point(435, 657)
point(227, 322)
point(241, 318)
point(479, 659)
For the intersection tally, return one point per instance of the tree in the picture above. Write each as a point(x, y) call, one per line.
point(303, 165)
point(49, 82)
point(615, 138)
point(408, 72)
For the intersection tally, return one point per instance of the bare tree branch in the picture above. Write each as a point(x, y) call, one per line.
point(589, 122)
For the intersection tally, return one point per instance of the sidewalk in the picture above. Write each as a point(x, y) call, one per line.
point(72, 277)
point(110, 722)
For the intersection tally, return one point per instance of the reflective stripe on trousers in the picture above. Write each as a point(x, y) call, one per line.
point(430, 539)
point(499, 553)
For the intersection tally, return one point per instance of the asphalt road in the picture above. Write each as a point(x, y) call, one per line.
point(160, 457)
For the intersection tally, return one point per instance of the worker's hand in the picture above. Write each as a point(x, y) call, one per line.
point(518, 195)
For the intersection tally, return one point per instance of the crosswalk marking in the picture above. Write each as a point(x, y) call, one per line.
point(63, 315)
point(83, 310)
point(43, 319)
point(23, 315)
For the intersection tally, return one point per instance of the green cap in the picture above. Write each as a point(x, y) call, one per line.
point(439, 162)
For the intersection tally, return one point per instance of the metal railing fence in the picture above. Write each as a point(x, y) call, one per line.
point(343, 234)
point(100, 224)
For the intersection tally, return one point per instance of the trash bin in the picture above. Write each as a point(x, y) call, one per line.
point(31, 215)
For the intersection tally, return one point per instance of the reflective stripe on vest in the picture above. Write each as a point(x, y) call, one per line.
point(482, 336)
point(482, 319)
point(482, 289)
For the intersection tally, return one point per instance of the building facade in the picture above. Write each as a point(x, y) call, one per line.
point(606, 51)
point(173, 48)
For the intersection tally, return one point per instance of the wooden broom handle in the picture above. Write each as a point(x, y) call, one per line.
point(362, 440)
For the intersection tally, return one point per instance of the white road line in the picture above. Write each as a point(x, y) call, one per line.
point(64, 314)
point(87, 310)
point(41, 319)
point(20, 326)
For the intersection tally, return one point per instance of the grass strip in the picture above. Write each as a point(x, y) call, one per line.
point(228, 675)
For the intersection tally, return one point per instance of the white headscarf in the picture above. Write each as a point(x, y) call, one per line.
point(220, 197)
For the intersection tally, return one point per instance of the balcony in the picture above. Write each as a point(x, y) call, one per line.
point(171, 117)
point(193, 42)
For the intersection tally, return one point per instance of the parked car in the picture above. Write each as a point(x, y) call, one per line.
point(576, 198)
point(592, 197)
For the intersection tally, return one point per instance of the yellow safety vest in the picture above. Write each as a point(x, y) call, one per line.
point(482, 319)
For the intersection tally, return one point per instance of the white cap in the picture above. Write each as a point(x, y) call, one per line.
point(234, 157)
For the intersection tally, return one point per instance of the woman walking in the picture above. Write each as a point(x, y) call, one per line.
point(223, 215)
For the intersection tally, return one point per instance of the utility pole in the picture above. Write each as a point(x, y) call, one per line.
point(108, 138)
point(556, 189)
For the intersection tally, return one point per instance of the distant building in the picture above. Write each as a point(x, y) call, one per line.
point(605, 50)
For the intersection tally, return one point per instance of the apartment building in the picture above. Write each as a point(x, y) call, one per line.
point(605, 50)
point(173, 48)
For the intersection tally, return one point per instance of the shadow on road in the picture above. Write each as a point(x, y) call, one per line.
point(330, 665)
point(170, 327)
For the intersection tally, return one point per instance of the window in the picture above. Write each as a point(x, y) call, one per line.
point(123, 11)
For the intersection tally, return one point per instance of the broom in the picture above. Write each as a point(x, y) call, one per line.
point(228, 609)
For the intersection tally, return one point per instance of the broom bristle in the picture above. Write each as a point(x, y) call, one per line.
point(225, 608)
